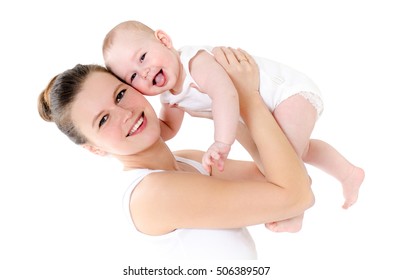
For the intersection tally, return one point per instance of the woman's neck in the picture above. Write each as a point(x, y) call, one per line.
point(158, 156)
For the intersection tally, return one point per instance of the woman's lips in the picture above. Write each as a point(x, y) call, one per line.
point(138, 126)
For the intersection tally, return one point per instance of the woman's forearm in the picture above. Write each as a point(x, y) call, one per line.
point(281, 163)
point(282, 167)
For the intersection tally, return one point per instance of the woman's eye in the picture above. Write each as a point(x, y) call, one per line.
point(133, 77)
point(103, 121)
point(120, 96)
point(143, 57)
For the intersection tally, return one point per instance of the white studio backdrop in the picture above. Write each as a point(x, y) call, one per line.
point(60, 207)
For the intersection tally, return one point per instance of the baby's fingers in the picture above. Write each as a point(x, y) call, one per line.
point(220, 164)
point(207, 163)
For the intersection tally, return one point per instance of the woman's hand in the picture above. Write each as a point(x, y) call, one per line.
point(241, 68)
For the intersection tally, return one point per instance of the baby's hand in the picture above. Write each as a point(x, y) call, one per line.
point(216, 154)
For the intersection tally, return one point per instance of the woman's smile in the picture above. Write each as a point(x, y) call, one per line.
point(138, 126)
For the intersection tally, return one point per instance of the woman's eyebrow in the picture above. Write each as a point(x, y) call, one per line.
point(113, 98)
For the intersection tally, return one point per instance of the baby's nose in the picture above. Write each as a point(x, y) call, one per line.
point(145, 73)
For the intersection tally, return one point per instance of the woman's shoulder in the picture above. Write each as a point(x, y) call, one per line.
point(163, 177)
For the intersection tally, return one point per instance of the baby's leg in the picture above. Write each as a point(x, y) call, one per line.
point(320, 154)
point(297, 117)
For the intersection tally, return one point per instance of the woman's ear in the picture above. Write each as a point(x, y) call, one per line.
point(163, 38)
point(94, 150)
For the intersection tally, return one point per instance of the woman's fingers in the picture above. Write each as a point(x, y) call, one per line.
point(241, 68)
point(233, 58)
point(228, 57)
point(239, 54)
point(247, 56)
point(220, 56)
point(231, 55)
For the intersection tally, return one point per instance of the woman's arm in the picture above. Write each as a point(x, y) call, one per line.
point(280, 157)
point(243, 136)
point(241, 195)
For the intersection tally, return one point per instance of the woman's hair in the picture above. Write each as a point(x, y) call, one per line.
point(54, 102)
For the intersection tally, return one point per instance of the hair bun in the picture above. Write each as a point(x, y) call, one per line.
point(44, 102)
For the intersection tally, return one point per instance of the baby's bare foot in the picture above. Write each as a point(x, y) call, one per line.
point(351, 187)
point(288, 225)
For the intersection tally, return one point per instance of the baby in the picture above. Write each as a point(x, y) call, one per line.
point(190, 80)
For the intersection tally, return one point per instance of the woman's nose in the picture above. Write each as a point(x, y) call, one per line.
point(123, 114)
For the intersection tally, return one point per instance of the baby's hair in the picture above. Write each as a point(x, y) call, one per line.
point(54, 102)
point(125, 26)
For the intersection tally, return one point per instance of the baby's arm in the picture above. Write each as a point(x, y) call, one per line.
point(214, 81)
point(171, 119)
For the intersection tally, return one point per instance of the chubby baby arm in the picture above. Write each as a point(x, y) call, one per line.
point(213, 80)
point(171, 119)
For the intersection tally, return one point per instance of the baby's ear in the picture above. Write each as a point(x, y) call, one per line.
point(163, 38)
point(94, 150)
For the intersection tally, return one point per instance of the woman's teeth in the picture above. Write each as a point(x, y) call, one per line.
point(136, 126)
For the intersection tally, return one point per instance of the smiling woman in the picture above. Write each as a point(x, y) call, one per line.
point(119, 113)
point(174, 206)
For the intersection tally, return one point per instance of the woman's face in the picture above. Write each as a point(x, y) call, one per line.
point(115, 118)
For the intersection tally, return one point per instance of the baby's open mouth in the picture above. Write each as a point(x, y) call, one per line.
point(159, 79)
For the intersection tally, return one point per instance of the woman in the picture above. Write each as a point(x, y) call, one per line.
point(180, 210)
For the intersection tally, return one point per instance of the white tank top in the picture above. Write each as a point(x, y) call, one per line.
point(225, 244)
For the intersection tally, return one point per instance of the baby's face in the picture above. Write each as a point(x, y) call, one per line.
point(146, 63)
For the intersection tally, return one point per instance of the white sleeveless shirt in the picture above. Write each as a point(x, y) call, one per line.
point(224, 244)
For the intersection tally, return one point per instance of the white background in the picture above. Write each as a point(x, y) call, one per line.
point(60, 207)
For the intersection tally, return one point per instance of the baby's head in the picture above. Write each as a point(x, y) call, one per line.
point(141, 57)
point(126, 30)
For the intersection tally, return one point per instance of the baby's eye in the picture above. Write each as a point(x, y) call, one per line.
point(120, 96)
point(142, 57)
point(103, 121)
point(132, 77)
